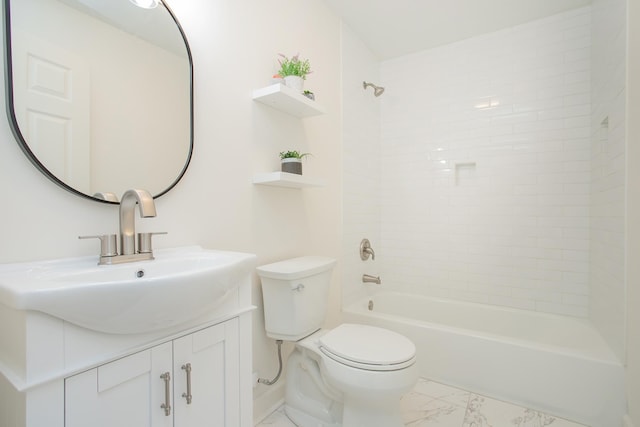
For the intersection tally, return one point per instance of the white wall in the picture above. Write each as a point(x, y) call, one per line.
point(608, 157)
point(361, 164)
point(632, 299)
point(235, 47)
point(485, 172)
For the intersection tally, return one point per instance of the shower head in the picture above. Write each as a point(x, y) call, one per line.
point(377, 90)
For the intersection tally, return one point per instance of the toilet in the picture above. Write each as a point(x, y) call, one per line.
point(352, 375)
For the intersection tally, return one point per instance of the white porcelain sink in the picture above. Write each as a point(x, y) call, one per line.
point(179, 285)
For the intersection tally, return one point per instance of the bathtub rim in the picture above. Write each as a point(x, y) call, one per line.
point(604, 354)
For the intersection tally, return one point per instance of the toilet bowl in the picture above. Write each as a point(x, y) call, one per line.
point(352, 375)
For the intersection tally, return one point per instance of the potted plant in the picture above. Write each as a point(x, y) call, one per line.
point(292, 161)
point(294, 71)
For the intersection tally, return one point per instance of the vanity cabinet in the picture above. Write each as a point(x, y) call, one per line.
point(54, 373)
point(120, 393)
point(189, 381)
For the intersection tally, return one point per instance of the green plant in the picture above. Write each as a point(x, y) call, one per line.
point(294, 66)
point(293, 155)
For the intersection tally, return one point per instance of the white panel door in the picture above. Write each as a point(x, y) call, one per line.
point(128, 392)
point(52, 106)
point(213, 357)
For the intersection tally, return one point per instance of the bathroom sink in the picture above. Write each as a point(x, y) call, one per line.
point(179, 285)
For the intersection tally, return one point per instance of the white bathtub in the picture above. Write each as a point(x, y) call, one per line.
point(555, 364)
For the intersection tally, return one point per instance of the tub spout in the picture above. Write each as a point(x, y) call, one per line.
point(366, 278)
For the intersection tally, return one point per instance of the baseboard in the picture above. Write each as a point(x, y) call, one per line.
point(626, 421)
point(268, 402)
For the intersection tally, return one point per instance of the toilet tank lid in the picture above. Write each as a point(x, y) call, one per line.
point(296, 268)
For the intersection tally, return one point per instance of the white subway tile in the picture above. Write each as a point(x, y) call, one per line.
point(516, 224)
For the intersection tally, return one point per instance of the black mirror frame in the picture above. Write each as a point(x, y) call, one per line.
point(11, 115)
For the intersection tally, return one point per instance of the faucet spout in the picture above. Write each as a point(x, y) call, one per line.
point(127, 218)
point(367, 278)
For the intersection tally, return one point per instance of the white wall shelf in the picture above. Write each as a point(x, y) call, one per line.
point(287, 180)
point(288, 100)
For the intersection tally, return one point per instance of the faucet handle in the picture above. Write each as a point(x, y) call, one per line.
point(108, 244)
point(144, 242)
point(366, 250)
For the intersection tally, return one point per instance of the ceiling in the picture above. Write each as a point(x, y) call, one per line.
point(153, 25)
point(392, 28)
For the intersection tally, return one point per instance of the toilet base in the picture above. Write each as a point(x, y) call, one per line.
point(353, 416)
point(315, 399)
point(309, 402)
point(302, 419)
point(382, 413)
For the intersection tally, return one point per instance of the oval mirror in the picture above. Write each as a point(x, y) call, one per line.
point(100, 94)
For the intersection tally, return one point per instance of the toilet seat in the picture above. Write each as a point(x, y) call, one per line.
point(368, 347)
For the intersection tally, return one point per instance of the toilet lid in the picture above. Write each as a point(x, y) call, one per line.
point(368, 347)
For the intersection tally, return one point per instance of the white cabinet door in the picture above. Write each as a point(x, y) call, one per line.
point(213, 357)
point(128, 392)
point(134, 392)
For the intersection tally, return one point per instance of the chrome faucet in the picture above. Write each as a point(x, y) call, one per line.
point(127, 217)
point(366, 278)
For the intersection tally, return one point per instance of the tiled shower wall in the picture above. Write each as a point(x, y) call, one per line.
point(485, 171)
point(361, 163)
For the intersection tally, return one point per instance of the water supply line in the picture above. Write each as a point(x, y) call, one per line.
point(277, 377)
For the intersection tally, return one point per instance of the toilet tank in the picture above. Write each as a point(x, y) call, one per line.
point(295, 293)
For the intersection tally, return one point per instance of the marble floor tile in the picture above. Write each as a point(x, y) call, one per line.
point(485, 412)
point(431, 404)
point(434, 413)
point(442, 392)
point(277, 419)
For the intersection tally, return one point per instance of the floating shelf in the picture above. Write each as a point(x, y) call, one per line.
point(288, 100)
point(288, 180)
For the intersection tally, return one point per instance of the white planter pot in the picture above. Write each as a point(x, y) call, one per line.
point(292, 165)
point(294, 82)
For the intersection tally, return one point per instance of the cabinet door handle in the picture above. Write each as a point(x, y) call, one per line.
point(167, 394)
point(187, 395)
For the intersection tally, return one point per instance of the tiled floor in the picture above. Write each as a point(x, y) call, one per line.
point(431, 404)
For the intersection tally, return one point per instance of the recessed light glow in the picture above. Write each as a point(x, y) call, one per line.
point(146, 4)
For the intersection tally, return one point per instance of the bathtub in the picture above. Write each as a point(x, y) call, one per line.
point(556, 364)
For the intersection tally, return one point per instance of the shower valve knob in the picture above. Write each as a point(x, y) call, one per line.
point(366, 250)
